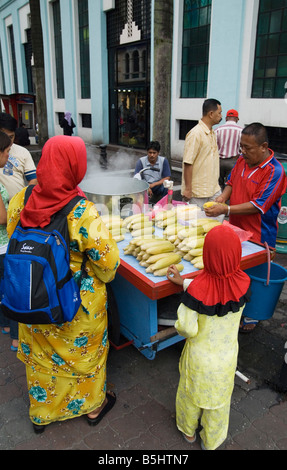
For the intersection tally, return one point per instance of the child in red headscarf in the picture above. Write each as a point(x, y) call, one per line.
point(209, 317)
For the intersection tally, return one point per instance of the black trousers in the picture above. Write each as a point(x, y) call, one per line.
point(226, 165)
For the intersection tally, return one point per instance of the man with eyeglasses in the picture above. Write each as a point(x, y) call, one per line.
point(254, 190)
point(20, 169)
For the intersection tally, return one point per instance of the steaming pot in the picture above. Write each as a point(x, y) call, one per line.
point(116, 194)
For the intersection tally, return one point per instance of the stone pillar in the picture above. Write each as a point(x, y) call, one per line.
point(163, 38)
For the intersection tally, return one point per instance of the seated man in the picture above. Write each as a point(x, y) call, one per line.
point(156, 171)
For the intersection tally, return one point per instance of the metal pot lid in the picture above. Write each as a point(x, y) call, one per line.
point(113, 185)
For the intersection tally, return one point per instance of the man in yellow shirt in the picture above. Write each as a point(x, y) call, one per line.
point(200, 167)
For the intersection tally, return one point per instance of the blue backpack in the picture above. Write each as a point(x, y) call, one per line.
point(38, 286)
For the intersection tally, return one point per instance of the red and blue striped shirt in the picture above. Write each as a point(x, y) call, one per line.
point(263, 186)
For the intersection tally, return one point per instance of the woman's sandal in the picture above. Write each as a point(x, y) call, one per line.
point(4, 332)
point(38, 429)
point(189, 439)
point(111, 397)
point(247, 325)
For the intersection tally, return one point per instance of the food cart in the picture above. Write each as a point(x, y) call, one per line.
point(138, 296)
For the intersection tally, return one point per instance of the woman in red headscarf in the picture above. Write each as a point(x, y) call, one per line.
point(66, 364)
point(209, 317)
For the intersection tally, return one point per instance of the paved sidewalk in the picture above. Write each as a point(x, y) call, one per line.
point(144, 415)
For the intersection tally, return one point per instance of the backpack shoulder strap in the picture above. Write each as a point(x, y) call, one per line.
point(28, 192)
point(64, 211)
point(68, 207)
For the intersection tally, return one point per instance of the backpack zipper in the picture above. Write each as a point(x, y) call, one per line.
point(42, 234)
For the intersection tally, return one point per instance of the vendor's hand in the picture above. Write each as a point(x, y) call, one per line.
point(187, 194)
point(174, 276)
point(220, 199)
point(216, 210)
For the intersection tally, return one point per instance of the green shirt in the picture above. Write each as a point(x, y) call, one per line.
point(3, 230)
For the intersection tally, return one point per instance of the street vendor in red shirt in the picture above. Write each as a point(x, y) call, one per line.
point(254, 190)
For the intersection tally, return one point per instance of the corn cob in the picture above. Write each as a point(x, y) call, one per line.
point(140, 225)
point(145, 256)
point(210, 225)
point(151, 259)
point(163, 271)
point(146, 239)
point(144, 231)
point(140, 255)
point(119, 238)
point(128, 250)
point(172, 230)
point(144, 264)
point(138, 220)
point(183, 247)
point(163, 247)
point(172, 238)
point(190, 232)
point(172, 258)
point(196, 252)
point(177, 241)
point(195, 243)
point(187, 257)
point(209, 204)
point(199, 264)
point(148, 243)
point(117, 231)
point(196, 259)
point(166, 222)
point(200, 221)
point(133, 218)
point(181, 253)
point(165, 214)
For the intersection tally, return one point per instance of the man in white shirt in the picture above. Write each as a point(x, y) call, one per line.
point(20, 170)
point(228, 140)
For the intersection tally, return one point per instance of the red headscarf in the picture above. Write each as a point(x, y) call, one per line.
point(222, 286)
point(62, 167)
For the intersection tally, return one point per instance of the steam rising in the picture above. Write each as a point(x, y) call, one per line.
point(120, 162)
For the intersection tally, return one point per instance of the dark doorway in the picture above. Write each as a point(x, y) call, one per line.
point(129, 95)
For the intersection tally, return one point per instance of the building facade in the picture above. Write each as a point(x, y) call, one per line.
point(102, 64)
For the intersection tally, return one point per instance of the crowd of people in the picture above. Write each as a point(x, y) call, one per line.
point(66, 364)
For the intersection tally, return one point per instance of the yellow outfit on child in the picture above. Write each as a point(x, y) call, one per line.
point(207, 369)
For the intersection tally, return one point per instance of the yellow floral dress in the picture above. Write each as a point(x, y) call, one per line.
point(66, 364)
point(207, 370)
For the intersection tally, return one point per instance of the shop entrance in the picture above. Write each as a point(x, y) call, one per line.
point(129, 95)
point(132, 117)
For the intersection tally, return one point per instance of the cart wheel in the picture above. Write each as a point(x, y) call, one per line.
point(113, 317)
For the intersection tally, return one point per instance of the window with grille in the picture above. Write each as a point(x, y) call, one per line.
point(117, 18)
point(277, 139)
point(184, 127)
point(195, 48)
point(58, 49)
point(28, 61)
point(84, 35)
point(270, 66)
point(2, 78)
point(86, 120)
point(13, 56)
